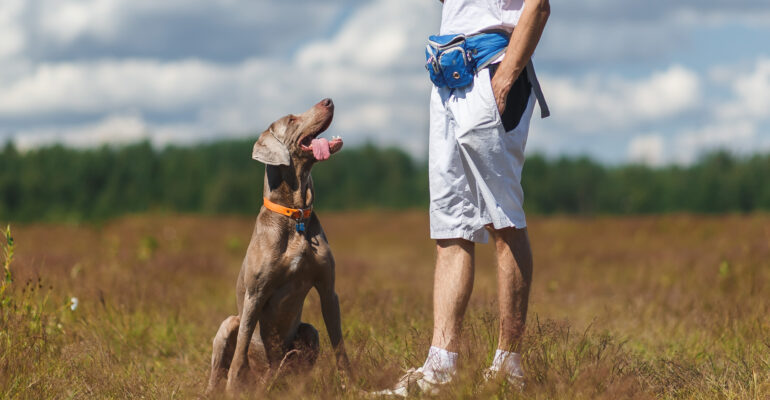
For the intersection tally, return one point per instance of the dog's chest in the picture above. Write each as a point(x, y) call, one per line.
point(298, 274)
point(305, 257)
point(300, 260)
point(297, 263)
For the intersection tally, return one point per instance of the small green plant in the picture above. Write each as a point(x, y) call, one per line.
point(724, 270)
point(8, 249)
point(147, 247)
point(234, 244)
point(32, 330)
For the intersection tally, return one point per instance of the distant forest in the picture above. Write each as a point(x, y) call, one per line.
point(63, 184)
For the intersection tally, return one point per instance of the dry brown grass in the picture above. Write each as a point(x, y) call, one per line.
point(643, 307)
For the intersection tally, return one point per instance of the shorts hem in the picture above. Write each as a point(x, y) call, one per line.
point(476, 236)
point(503, 224)
point(480, 235)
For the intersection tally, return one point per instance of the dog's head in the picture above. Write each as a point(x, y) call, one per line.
point(293, 139)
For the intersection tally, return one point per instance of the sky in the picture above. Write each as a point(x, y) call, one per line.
point(656, 82)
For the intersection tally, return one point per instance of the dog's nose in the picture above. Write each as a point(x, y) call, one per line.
point(327, 102)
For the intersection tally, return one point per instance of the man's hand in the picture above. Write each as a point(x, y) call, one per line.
point(501, 85)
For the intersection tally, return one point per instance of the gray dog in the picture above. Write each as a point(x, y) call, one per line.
point(287, 256)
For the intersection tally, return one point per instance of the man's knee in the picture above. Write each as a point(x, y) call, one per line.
point(511, 235)
point(513, 242)
point(456, 244)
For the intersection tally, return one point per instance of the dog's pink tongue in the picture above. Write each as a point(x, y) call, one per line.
point(320, 149)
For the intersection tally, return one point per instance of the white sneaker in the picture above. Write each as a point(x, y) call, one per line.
point(414, 382)
point(516, 381)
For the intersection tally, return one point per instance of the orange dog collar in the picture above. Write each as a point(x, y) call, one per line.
point(297, 214)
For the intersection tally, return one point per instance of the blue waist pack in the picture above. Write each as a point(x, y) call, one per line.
point(453, 60)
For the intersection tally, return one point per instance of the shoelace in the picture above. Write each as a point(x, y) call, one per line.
point(410, 376)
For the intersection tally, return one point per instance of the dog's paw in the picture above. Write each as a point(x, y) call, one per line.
point(237, 380)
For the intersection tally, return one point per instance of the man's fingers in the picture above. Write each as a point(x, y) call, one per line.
point(500, 95)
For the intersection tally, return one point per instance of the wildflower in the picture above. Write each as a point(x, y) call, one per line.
point(73, 303)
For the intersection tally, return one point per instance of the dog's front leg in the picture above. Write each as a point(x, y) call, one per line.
point(237, 377)
point(330, 308)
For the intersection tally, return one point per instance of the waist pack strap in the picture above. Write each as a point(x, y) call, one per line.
point(490, 58)
point(487, 47)
point(544, 111)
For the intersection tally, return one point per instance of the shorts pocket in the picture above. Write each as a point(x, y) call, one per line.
point(488, 94)
point(517, 100)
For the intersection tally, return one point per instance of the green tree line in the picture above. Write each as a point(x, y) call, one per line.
point(63, 184)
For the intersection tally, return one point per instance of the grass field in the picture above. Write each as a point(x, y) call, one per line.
point(638, 307)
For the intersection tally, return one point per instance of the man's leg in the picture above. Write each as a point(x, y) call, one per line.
point(514, 278)
point(452, 286)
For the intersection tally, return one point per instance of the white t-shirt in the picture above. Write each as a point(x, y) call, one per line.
point(471, 16)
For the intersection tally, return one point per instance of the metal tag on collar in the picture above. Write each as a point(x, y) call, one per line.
point(300, 227)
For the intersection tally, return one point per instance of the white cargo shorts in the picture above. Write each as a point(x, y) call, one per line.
point(474, 161)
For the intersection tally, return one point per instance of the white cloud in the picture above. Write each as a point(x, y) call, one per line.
point(647, 149)
point(173, 29)
point(381, 49)
point(735, 124)
point(751, 91)
point(605, 31)
point(736, 136)
point(379, 36)
point(574, 41)
point(595, 103)
point(720, 16)
point(106, 85)
point(366, 117)
point(12, 39)
point(66, 20)
point(114, 129)
point(665, 93)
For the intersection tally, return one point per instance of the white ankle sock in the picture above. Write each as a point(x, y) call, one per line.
point(508, 362)
point(440, 364)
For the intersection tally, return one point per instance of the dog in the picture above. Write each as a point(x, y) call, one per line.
point(287, 256)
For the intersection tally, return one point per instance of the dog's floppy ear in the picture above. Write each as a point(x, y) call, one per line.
point(269, 150)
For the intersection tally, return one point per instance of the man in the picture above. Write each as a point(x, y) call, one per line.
point(477, 139)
